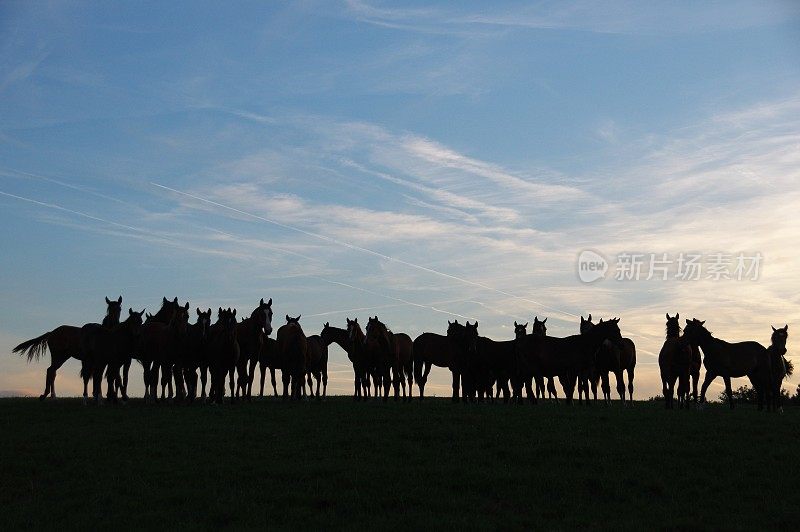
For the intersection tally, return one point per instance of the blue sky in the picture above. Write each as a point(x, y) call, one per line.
point(418, 161)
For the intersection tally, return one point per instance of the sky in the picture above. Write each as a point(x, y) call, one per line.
point(419, 162)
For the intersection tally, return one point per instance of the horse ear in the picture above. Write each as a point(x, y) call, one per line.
point(298, 317)
point(198, 311)
point(234, 313)
point(476, 324)
point(287, 317)
point(525, 326)
point(668, 316)
point(186, 306)
point(545, 321)
point(703, 322)
point(119, 299)
point(590, 318)
point(142, 312)
point(261, 304)
point(165, 300)
point(516, 324)
point(107, 301)
point(773, 328)
point(175, 300)
point(786, 327)
point(130, 313)
point(678, 316)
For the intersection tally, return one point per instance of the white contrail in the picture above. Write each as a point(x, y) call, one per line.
point(77, 213)
point(366, 250)
point(429, 307)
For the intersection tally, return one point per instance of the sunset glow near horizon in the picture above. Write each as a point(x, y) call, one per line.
point(422, 163)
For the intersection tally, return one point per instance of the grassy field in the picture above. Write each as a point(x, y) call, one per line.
point(346, 465)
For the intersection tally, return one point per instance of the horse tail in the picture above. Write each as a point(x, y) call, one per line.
point(34, 348)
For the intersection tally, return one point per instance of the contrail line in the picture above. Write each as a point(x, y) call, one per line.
point(364, 250)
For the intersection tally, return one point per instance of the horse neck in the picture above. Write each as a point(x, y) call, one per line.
point(673, 332)
point(340, 338)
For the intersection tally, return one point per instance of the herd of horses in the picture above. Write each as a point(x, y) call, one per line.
point(174, 353)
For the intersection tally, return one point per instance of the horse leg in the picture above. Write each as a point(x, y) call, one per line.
point(630, 372)
point(97, 381)
point(126, 366)
point(56, 361)
point(325, 381)
point(86, 374)
point(251, 375)
point(620, 385)
point(456, 382)
point(728, 390)
point(272, 380)
point(262, 368)
point(709, 378)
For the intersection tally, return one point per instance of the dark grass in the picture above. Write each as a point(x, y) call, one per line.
point(352, 465)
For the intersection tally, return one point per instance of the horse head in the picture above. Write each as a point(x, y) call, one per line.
point(539, 328)
point(204, 322)
point(695, 332)
point(520, 330)
point(263, 315)
point(673, 326)
point(354, 332)
point(586, 324)
point(779, 336)
point(113, 311)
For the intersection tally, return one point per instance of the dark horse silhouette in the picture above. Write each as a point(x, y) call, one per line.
point(675, 364)
point(778, 365)
point(250, 334)
point(107, 347)
point(163, 317)
point(444, 351)
point(268, 358)
point(357, 353)
point(317, 364)
point(404, 348)
point(729, 360)
point(194, 355)
point(382, 356)
point(495, 363)
point(569, 357)
point(293, 353)
point(162, 344)
point(223, 351)
point(617, 357)
point(64, 342)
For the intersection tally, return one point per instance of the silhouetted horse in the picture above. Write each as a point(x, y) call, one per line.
point(317, 364)
point(223, 352)
point(567, 357)
point(539, 329)
point(730, 360)
point(163, 345)
point(404, 348)
point(64, 342)
point(432, 349)
point(107, 347)
point(495, 363)
point(163, 317)
point(268, 358)
point(194, 354)
point(777, 351)
point(293, 351)
point(382, 355)
point(357, 353)
point(675, 362)
point(250, 334)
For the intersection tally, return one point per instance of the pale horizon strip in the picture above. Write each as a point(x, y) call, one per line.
point(354, 247)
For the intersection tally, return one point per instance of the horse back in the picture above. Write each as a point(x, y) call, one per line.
point(404, 347)
point(434, 349)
